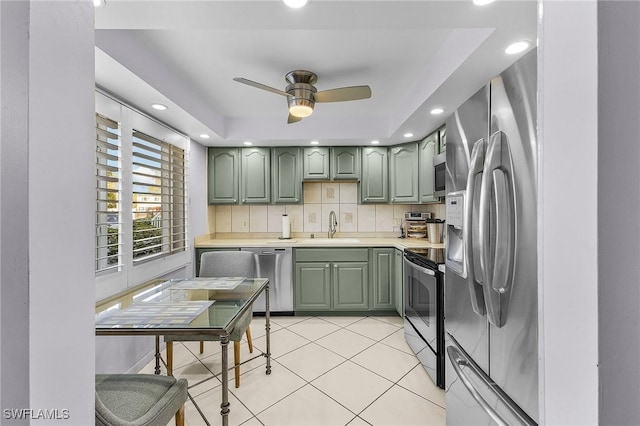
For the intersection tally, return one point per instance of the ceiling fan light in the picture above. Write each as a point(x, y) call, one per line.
point(300, 107)
point(295, 4)
point(300, 111)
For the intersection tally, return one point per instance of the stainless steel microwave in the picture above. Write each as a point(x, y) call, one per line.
point(439, 165)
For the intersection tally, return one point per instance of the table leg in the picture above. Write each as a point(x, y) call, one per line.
point(268, 328)
point(224, 407)
point(157, 371)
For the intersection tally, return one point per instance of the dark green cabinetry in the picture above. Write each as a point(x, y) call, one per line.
point(315, 163)
point(403, 173)
point(255, 181)
point(331, 279)
point(286, 175)
point(399, 276)
point(345, 280)
point(383, 278)
point(223, 170)
point(374, 185)
point(345, 163)
point(428, 148)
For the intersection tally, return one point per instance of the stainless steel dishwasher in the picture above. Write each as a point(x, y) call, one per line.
point(275, 263)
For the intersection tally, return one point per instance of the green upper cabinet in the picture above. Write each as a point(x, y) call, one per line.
point(384, 284)
point(223, 169)
point(255, 184)
point(403, 171)
point(286, 175)
point(374, 184)
point(315, 163)
point(345, 163)
point(428, 149)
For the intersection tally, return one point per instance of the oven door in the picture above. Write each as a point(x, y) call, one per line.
point(421, 310)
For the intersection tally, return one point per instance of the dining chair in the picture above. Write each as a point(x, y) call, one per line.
point(139, 400)
point(233, 263)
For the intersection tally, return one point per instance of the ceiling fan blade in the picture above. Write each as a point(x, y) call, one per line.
point(261, 86)
point(342, 94)
point(293, 119)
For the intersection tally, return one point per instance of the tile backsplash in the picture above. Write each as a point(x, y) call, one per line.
point(313, 216)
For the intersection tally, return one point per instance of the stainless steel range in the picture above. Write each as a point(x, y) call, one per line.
point(424, 309)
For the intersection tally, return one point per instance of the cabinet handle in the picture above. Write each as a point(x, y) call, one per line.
point(244, 199)
point(327, 265)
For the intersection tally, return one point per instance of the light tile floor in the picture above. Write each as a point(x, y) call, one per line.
point(326, 371)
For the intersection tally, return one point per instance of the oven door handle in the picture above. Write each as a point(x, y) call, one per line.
point(421, 269)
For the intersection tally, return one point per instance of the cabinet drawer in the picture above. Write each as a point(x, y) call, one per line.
point(332, 255)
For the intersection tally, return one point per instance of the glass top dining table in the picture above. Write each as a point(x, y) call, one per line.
point(192, 307)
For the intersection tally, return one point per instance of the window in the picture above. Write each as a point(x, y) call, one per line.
point(158, 182)
point(108, 195)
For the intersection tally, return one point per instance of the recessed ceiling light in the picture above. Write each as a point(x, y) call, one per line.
point(99, 3)
point(375, 142)
point(517, 47)
point(314, 142)
point(437, 111)
point(295, 4)
point(408, 135)
point(482, 2)
point(205, 136)
point(248, 143)
point(159, 107)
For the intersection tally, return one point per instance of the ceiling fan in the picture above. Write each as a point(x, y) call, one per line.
point(302, 95)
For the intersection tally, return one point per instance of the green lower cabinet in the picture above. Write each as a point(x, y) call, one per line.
point(399, 276)
point(383, 278)
point(350, 286)
point(313, 286)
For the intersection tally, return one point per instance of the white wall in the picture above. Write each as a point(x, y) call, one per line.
point(47, 191)
point(568, 196)
point(619, 211)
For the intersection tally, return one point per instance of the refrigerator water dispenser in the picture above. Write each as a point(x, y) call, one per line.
point(454, 258)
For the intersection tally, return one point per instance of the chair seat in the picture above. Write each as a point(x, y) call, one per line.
point(235, 335)
point(138, 399)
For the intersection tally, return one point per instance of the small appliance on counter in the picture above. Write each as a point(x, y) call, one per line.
point(415, 225)
point(435, 229)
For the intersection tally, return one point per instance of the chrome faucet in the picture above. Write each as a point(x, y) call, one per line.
point(333, 222)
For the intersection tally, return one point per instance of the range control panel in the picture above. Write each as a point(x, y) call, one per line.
point(455, 209)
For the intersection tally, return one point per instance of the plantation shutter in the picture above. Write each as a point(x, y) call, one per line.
point(159, 209)
point(108, 195)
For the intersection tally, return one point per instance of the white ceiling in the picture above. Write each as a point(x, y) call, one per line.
point(415, 55)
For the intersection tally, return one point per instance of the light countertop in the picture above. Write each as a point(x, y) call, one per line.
point(399, 243)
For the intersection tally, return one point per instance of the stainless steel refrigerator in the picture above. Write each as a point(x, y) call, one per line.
point(491, 285)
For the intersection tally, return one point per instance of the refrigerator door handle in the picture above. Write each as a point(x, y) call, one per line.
point(497, 228)
point(458, 361)
point(470, 229)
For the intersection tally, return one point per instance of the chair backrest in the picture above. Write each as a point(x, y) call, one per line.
point(228, 264)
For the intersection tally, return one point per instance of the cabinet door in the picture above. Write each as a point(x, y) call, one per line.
point(223, 170)
point(255, 185)
point(382, 266)
point(345, 163)
point(350, 285)
point(312, 286)
point(286, 175)
point(427, 172)
point(399, 283)
point(316, 163)
point(403, 172)
point(373, 187)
